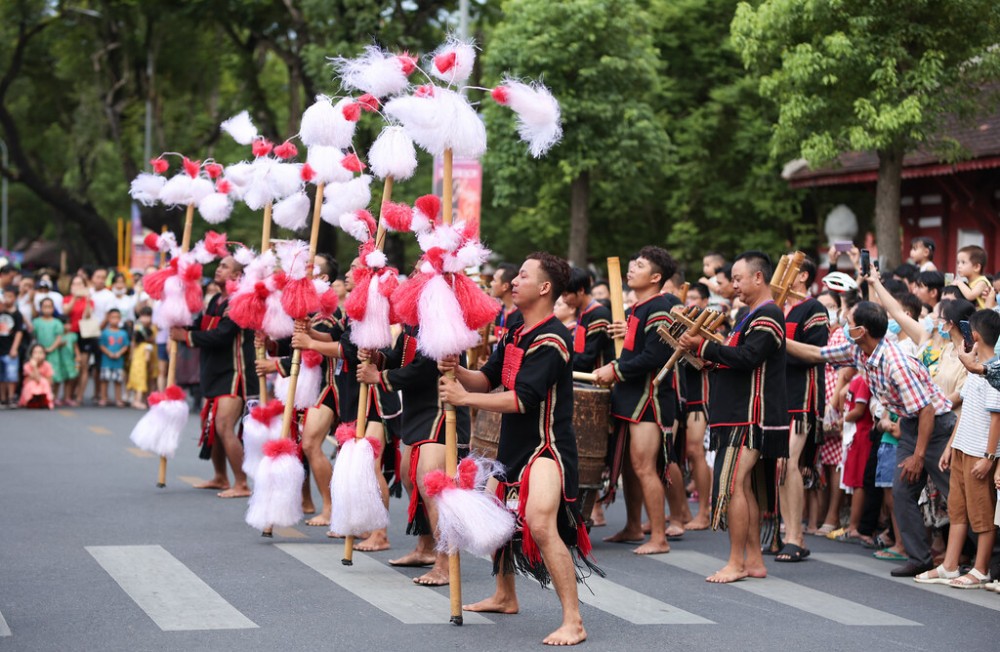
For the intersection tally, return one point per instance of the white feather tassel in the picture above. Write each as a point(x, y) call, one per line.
point(341, 198)
point(277, 492)
point(177, 190)
point(216, 208)
point(325, 124)
point(393, 155)
point(306, 387)
point(200, 188)
point(439, 121)
point(284, 179)
point(277, 324)
point(538, 116)
point(374, 331)
point(376, 72)
point(172, 310)
point(146, 188)
point(453, 61)
point(472, 520)
point(325, 162)
point(255, 435)
point(356, 497)
point(159, 430)
point(292, 212)
point(241, 128)
point(437, 305)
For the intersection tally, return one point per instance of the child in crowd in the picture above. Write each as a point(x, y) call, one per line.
point(49, 332)
point(114, 346)
point(858, 415)
point(884, 472)
point(142, 368)
point(37, 389)
point(969, 278)
point(922, 253)
point(11, 334)
point(971, 456)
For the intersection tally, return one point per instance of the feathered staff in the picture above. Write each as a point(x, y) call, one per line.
point(177, 287)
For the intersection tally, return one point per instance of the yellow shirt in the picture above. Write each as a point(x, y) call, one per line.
point(981, 300)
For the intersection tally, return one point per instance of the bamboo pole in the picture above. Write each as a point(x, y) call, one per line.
point(260, 352)
point(617, 298)
point(172, 344)
point(364, 393)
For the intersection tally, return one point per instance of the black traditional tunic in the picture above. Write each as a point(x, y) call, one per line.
point(415, 376)
point(592, 346)
point(748, 406)
point(535, 365)
point(383, 405)
point(696, 389)
point(328, 393)
point(224, 350)
point(506, 321)
point(806, 322)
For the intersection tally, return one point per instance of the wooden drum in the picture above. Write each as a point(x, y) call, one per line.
point(591, 414)
point(486, 434)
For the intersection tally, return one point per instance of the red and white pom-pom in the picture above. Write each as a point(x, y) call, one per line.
point(275, 323)
point(471, 254)
point(283, 179)
point(216, 244)
point(262, 425)
point(443, 236)
point(294, 258)
point(328, 302)
point(325, 162)
point(247, 309)
point(244, 256)
point(538, 115)
point(299, 298)
point(405, 300)
point(176, 191)
point(360, 225)
point(146, 188)
point(159, 430)
point(372, 257)
point(165, 242)
point(396, 217)
point(393, 155)
point(159, 165)
point(216, 208)
point(450, 335)
point(352, 163)
point(478, 308)
point(453, 61)
point(307, 385)
point(376, 72)
point(286, 150)
point(240, 127)
point(292, 212)
point(191, 168)
point(341, 198)
point(214, 170)
point(155, 282)
point(468, 518)
point(368, 103)
point(261, 147)
point(352, 112)
point(324, 124)
point(172, 310)
point(354, 488)
point(440, 120)
point(277, 493)
point(371, 327)
point(425, 213)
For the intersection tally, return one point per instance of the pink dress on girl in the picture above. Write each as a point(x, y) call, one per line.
point(32, 389)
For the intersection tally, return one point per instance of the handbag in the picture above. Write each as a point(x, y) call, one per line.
point(89, 328)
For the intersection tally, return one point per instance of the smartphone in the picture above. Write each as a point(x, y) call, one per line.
point(866, 263)
point(842, 245)
point(966, 334)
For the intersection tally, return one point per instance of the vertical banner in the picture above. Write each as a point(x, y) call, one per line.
point(468, 193)
point(141, 256)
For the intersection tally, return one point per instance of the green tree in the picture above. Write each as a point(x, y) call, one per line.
point(873, 75)
point(599, 61)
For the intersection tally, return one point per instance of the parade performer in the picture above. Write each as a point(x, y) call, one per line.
point(592, 345)
point(500, 287)
point(537, 445)
point(695, 419)
point(227, 381)
point(806, 321)
point(648, 410)
point(748, 416)
point(415, 376)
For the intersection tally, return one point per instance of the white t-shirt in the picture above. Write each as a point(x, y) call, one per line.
point(104, 300)
point(126, 306)
point(979, 402)
point(57, 299)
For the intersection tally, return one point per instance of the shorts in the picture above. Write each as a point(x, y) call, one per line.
point(854, 463)
point(9, 369)
point(886, 468)
point(110, 375)
point(161, 350)
point(970, 500)
point(91, 347)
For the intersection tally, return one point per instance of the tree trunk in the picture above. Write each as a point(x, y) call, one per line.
point(887, 191)
point(579, 221)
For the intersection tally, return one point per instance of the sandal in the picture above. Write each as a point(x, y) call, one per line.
point(791, 553)
point(993, 586)
point(971, 580)
point(844, 536)
point(825, 530)
point(941, 575)
point(888, 554)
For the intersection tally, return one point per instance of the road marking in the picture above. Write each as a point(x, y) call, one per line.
point(289, 533)
point(171, 595)
point(138, 452)
point(634, 607)
point(191, 479)
point(4, 628)
point(66, 413)
point(375, 583)
point(99, 430)
point(788, 593)
point(880, 569)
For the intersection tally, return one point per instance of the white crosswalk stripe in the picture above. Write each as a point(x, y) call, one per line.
point(4, 628)
point(168, 591)
point(634, 607)
point(880, 569)
point(788, 593)
point(381, 586)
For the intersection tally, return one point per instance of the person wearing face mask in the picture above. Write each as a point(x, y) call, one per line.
point(123, 301)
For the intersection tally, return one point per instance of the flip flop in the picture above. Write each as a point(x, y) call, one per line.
point(889, 555)
point(792, 553)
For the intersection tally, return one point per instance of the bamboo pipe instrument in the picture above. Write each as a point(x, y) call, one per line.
point(617, 298)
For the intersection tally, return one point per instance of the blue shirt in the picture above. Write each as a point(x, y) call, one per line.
point(114, 340)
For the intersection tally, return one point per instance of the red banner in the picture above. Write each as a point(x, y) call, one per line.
point(467, 192)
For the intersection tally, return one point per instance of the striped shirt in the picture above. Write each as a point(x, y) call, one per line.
point(902, 384)
point(979, 403)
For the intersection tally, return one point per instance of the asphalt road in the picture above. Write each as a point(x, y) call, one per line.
point(94, 557)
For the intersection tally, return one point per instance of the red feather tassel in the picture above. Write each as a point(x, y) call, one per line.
point(280, 280)
point(191, 167)
point(192, 288)
point(353, 163)
point(299, 298)
point(357, 301)
point(436, 482)
point(397, 216)
point(405, 299)
point(352, 112)
point(478, 308)
point(407, 63)
point(286, 150)
point(528, 545)
point(427, 90)
point(264, 413)
point(467, 470)
point(308, 173)
point(388, 282)
point(232, 287)
point(376, 445)
point(247, 309)
point(328, 302)
point(445, 61)
point(261, 147)
point(345, 432)
point(214, 170)
point(429, 205)
point(499, 94)
point(223, 186)
point(174, 393)
point(160, 165)
point(153, 282)
point(368, 102)
point(215, 243)
point(152, 241)
point(312, 358)
point(277, 447)
point(154, 398)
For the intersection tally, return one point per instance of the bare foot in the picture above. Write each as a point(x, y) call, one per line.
point(309, 508)
point(414, 559)
point(727, 575)
point(567, 635)
point(601, 523)
point(334, 535)
point(674, 531)
point(494, 605)
point(377, 541)
point(699, 523)
point(625, 537)
point(235, 492)
point(322, 519)
point(214, 483)
point(646, 529)
point(651, 548)
point(433, 577)
point(757, 572)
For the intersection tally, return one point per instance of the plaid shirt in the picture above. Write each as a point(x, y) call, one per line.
point(902, 384)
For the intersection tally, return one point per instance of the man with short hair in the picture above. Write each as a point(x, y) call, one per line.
point(646, 411)
point(928, 287)
point(592, 346)
point(537, 445)
point(696, 392)
point(748, 415)
point(501, 287)
point(904, 387)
